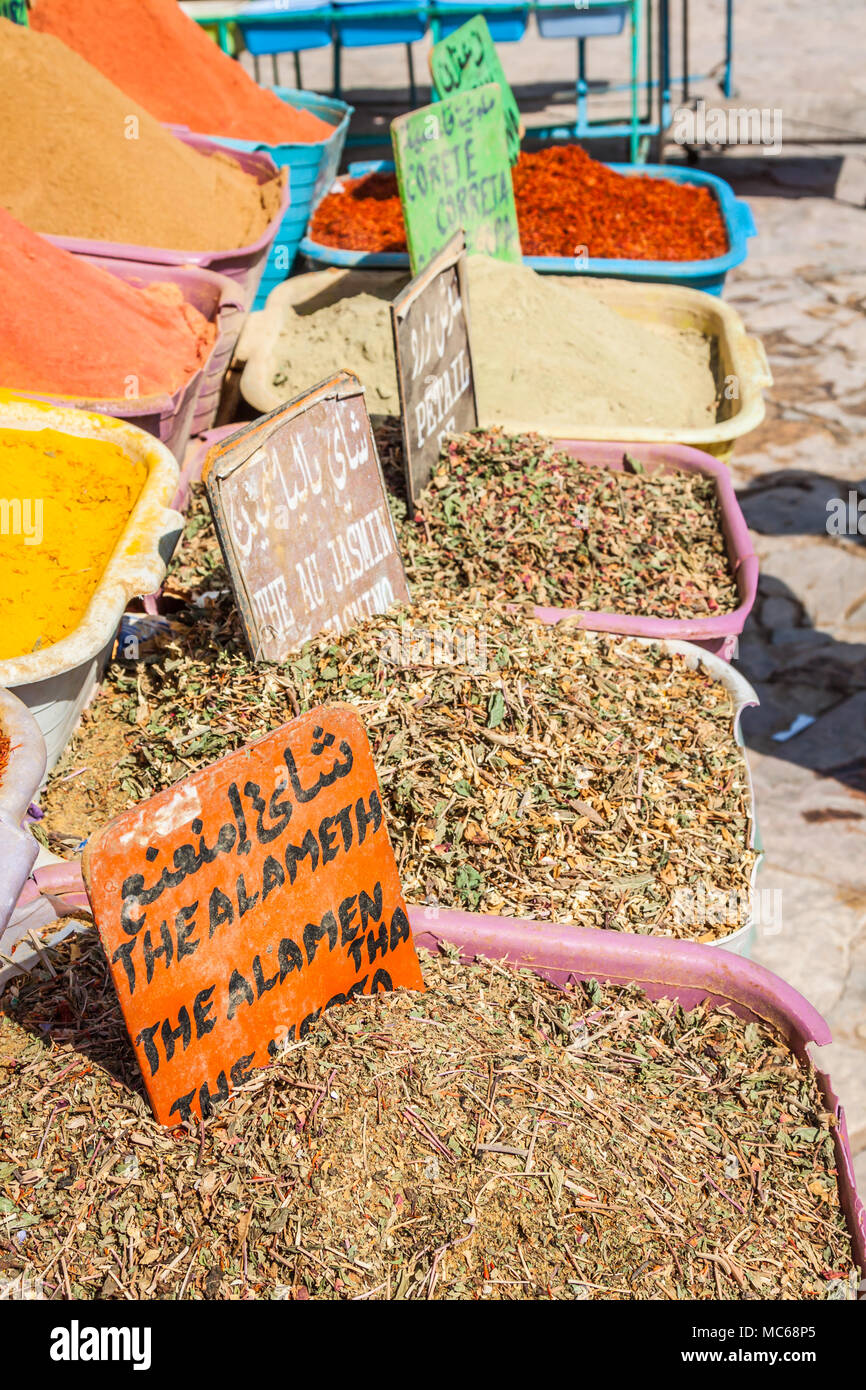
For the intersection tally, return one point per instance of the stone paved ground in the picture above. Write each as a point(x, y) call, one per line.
point(803, 290)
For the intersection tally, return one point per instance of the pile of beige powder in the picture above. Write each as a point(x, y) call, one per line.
point(549, 352)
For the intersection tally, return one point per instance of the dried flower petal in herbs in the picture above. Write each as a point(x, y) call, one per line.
point(512, 515)
point(492, 1138)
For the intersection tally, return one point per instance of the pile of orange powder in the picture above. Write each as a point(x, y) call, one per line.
point(154, 53)
point(72, 329)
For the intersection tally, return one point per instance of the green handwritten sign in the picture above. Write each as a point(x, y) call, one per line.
point(468, 59)
point(16, 10)
point(453, 175)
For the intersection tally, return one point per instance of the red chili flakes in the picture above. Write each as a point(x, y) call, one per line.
point(367, 216)
point(566, 201)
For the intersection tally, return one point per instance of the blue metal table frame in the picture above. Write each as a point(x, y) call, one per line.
point(637, 129)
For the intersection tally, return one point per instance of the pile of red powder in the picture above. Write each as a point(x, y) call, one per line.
point(565, 201)
point(72, 329)
point(154, 53)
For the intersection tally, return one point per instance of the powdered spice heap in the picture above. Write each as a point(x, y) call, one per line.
point(150, 49)
point(72, 329)
point(86, 490)
point(80, 159)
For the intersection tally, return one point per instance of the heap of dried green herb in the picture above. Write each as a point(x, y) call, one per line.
point(513, 516)
point(492, 1138)
point(527, 771)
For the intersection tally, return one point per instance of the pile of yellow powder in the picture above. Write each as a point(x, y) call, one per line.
point(64, 503)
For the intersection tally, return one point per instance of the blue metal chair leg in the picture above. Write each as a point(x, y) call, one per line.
point(413, 91)
point(685, 50)
point(728, 85)
point(582, 88)
point(338, 47)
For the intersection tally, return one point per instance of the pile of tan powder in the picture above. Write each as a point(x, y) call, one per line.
point(548, 353)
point(81, 159)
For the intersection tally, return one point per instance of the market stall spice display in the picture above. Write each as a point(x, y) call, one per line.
point(108, 171)
point(73, 498)
point(513, 516)
point(55, 311)
point(527, 771)
point(493, 1138)
point(567, 204)
point(153, 51)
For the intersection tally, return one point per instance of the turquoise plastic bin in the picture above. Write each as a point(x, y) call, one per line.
point(506, 21)
point(571, 23)
point(312, 169)
point(708, 275)
point(365, 25)
point(314, 32)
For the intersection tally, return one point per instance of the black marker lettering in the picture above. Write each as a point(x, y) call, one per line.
point(240, 990)
point(202, 1006)
point(182, 1033)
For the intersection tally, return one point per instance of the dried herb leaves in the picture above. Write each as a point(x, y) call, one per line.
point(494, 1138)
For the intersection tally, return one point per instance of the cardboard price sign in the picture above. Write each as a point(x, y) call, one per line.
point(434, 363)
point(467, 59)
point(239, 904)
point(299, 505)
point(453, 175)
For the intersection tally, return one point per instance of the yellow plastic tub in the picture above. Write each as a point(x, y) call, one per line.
point(739, 363)
point(56, 681)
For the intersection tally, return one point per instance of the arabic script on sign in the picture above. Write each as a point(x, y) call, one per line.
point(237, 906)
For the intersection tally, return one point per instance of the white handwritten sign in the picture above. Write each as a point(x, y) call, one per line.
point(434, 362)
point(299, 505)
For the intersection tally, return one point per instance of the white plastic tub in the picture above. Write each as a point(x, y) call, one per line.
point(56, 682)
point(19, 781)
point(743, 695)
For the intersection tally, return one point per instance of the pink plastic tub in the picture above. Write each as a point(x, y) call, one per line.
point(245, 266)
point(193, 461)
point(219, 299)
point(718, 634)
point(19, 783)
point(681, 970)
point(193, 406)
point(664, 969)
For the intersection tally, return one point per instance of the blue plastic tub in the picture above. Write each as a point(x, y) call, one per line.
point(506, 21)
point(313, 32)
point(708, 275)
point(569, 23)
point(362, 25)
point(312, 169)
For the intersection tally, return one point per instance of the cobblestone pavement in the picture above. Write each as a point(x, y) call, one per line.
point(803, 290)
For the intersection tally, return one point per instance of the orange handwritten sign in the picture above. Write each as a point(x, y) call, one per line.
point(239, 904)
